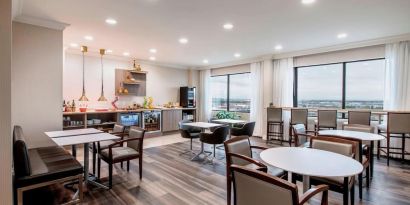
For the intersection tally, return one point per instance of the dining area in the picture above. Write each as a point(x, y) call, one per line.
point(338, 155)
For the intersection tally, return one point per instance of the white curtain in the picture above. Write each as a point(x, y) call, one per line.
point(282, 95)
point(397, 83)
point(397, 78)
point(205, 95)
point(257, 100)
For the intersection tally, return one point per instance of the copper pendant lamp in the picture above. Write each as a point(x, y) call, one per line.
point(102, 98)
point(84, 49)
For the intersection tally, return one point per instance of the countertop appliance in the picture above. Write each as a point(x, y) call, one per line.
point(187, 97)
point(151, 120)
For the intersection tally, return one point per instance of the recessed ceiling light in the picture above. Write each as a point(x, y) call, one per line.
point(237, 55)
point(153, 50)
point(126, 54)
point(308, 1)
point(111, 21)
point(341, 35)
point(152, 58)
point(205, 61)
point(108, 51)
point(74, 45)
point(88, 38)
point(183, 40)
point(278, 47)
point(228, 26)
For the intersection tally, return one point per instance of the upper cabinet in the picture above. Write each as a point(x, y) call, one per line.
point(130, 82)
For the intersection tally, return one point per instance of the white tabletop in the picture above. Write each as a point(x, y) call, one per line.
point(75, 132)
point(229, 121)
point(364, 136)
point(203, 125)
point(311, 162)
point(81, 139)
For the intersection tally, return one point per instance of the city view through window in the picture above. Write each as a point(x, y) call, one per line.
point(322, 86)
point(239, 98)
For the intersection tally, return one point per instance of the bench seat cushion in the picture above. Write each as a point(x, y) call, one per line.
point(49, 164)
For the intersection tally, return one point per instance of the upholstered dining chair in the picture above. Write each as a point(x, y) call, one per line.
point(297, 116)
point(274, 124)
point(398, 126)
point(218, 136)
point(341, 146)
point(117, 130)
point(189, 133)
point(256, 187)
point(238, 151)
point(245, 130)
point(326, 119)
point(117, 152)
point(302, 136)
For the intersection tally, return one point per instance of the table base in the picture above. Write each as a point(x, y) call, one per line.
point(306, 183)
point(88, 178)
point(202, 152)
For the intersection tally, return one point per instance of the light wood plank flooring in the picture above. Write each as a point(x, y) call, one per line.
point(169, 178)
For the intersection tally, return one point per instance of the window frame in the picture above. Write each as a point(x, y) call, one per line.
point(228, 76)
point(295, 81)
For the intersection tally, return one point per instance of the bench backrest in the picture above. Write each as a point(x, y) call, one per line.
point(20, 153)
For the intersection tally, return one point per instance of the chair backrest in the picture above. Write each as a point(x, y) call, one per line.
point(136, 132)
point(359, 117)
point(220, 134)
point(299, 116)
point(334, 144)
point(256, 187)
point(299, 129)
point(238, 145)
point(398, 123)
point(359, 128)
point(118, 128)
point(274, 114)
point(327, 118)
point(21, 158)
point(248, 128)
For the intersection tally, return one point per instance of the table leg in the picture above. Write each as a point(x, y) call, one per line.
point(306, 182)
point(371, 158)
point(199, 153)
point(87, 179)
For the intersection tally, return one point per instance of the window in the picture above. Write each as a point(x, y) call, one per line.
point(350, 85)
point(320, 86)
point(365, 85)
point(219, 87)
point(231, 92)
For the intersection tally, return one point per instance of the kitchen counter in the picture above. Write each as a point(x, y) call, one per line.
point(125, 111)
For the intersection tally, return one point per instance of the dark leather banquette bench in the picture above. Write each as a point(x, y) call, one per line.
point(40, 167)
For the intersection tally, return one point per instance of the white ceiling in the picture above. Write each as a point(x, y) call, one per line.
point(259, 25)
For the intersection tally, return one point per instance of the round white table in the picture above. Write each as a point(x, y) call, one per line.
point(311, 162)
point(363, 136)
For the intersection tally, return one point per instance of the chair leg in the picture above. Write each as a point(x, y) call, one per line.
point(352, 195)
point(388, 150)
point(74, 150)
point(360, 185)
point(403, 147)
point(228, 190)
point(140, 166)
point(378, 149)
point(94, 157)
point(128, 165)
point(98, 167)
point(121, 165)
point(368, 177)
point(346, 191)
point(214, 150)
point(191, 144)
point(110, 175)
point(267, 133)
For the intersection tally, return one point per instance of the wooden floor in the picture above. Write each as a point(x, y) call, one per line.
point(169, 178)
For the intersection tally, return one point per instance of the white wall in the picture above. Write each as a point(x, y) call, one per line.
point(162, 82)
point(5, 104)
point(37, 81)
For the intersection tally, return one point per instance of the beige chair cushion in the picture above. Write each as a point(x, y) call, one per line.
point(105, 144)
point(120, 153)
point(250, 190)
